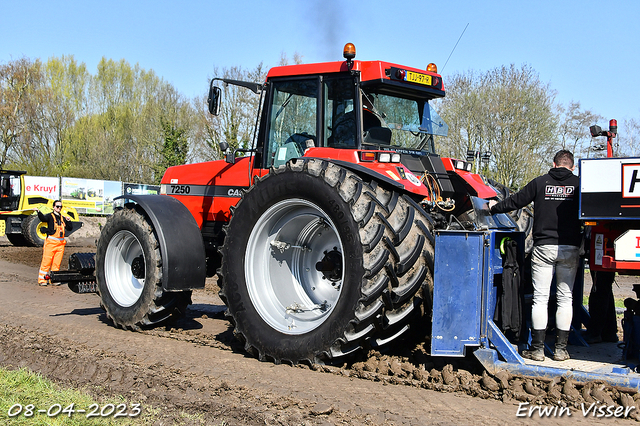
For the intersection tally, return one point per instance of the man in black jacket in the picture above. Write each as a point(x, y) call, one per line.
point(557, 236)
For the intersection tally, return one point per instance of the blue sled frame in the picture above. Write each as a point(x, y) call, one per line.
point(467, 266)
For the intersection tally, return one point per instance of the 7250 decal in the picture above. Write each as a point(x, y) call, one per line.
point(180, 189)
point(202, 190)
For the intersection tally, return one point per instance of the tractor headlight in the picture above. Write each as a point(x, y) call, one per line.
point(462, 165)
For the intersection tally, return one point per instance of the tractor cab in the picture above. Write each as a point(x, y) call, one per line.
point(353, 105)
point(336, 111)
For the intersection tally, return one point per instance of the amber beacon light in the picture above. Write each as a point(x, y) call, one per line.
point(349, 52)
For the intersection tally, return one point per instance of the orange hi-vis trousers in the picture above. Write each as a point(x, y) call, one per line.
point(51, 257)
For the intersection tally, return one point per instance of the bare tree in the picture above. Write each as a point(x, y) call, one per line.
point(237, 122)
point(19, 80)
point(60, 100)
point(506, 111)
point(628, 140)
point(573, 130)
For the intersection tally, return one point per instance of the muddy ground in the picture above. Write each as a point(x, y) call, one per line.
point(196, 372)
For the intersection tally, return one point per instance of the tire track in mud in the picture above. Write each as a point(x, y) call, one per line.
point(172, 390)
point(416, 368)
point(175, 387)
point(169, 390)
point(453, 376)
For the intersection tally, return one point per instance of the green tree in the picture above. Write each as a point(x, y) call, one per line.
point(464, 110)
point(122, 136)
point(61, 100)
point(121, 123)
point(174, 150)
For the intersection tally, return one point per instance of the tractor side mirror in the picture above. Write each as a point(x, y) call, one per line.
point(230, 157)
point(214, 99)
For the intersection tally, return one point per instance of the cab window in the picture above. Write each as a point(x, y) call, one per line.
point(292, 120)
point(9, 192)
point(339, 114)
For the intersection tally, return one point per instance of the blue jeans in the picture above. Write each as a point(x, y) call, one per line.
point(547, 260)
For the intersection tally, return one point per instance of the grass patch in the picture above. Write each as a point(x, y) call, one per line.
point(23, 393)
point(22, 388)
point(619, 303)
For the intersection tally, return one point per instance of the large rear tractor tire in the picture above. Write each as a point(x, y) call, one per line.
point(318, 263)
point(129, 274)
point(32, 231)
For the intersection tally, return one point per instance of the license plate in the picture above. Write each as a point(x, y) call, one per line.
point(415, 77)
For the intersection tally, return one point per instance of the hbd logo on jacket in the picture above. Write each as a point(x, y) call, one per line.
point(559, 192)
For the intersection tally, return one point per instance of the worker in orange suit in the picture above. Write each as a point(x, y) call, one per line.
point(57, 226)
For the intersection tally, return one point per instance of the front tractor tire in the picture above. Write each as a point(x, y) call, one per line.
point(129, 274)
point(318, 263)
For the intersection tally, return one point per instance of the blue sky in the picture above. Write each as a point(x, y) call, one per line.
point(586, 50)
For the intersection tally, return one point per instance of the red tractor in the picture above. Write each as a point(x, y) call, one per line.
point(322, 236)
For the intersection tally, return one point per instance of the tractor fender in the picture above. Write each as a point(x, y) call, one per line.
point(180, 240)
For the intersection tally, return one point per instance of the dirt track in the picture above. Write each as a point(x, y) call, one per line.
point(199, 368)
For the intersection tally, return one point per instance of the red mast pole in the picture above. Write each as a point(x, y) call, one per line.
point(613, 130)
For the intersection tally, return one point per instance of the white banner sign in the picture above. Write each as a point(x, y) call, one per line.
point(48, 187)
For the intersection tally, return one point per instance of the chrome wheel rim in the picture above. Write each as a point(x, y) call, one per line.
point(124, 268)
point(294, 267)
